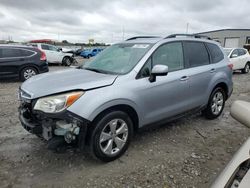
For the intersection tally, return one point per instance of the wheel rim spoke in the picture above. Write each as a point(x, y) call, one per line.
point(113, 125)
point(108, 149)
point(119, 142)
point(122, 129)
point(105, 137)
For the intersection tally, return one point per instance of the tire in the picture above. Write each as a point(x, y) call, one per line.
point(246, 68)
point(27, 73)
point(66, 61)
point(106, 144)
point(215, 104)
point(88, 56)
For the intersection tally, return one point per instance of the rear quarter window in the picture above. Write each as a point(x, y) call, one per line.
point(27, 53)
point(196, 54)
point(215, 52)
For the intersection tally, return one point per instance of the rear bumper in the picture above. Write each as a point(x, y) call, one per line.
point(43, 67)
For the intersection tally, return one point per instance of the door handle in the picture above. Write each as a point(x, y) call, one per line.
point(212, 70)
point(184, 78)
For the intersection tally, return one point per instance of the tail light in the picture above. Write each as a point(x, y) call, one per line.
point(230, 66)
point(43, 55)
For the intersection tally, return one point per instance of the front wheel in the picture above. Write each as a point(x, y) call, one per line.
point(215, 104)
point(111, 136)
point(246, 68)
point(66, 61)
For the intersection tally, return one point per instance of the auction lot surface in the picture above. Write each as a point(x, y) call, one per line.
point(189, 152)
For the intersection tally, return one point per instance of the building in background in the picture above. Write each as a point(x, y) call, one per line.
point(230, 38)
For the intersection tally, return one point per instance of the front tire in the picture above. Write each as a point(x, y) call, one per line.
point(215, 104)
point(111, 136)
point(27, 73)
point(246, 68)
point(66, 61)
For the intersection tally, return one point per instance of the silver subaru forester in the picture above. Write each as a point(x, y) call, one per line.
point(139, 82)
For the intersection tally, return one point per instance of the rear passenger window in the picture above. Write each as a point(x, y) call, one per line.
point(196, 54)
point(215, 52)
point(45, 47)
point(11, 52)
point(241, 52)
point(170, 54)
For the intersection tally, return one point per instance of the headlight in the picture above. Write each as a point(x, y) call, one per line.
point(57, 103)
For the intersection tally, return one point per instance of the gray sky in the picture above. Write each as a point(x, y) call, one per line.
point(104, 20)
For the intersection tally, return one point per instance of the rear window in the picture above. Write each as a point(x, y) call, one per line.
point(215, 52)
point(196, 54)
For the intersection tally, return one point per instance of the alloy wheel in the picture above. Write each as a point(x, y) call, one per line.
point(113, 137)
point(28, 73)
point(217, 103)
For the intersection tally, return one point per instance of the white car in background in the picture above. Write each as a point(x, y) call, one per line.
point(55, 54)
point(240, 58)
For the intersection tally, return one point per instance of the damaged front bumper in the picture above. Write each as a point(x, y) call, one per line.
point(66, 124)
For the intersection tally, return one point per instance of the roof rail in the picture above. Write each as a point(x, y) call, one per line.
point(142, 37)
point(188, 35)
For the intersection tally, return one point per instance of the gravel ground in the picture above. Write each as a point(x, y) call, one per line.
point(189, 152)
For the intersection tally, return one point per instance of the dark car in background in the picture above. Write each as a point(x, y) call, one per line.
point(21, 62)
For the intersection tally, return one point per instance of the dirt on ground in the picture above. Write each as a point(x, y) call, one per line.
point(189, 152)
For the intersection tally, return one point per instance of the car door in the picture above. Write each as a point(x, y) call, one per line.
point(168, 95)
point(200, 72)
point(57, 55)
point(243, 58)
point(235, 59)
point(10, 60)
point(47, 51)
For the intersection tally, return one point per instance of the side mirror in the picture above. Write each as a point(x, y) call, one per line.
point(234, 55)
point(158, 70)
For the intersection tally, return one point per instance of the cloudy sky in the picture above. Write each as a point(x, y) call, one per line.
point(105, 20)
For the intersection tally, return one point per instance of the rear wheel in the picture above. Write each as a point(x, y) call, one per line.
point(27, 73)
point(215, 104)
point(66, 61)
point(111, 136)
point(246, 68)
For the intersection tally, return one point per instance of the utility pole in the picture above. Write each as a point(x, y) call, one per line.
point(187, 28)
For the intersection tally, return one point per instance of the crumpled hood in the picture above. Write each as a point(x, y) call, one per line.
point(66, 80)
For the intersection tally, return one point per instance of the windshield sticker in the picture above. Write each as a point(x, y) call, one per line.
point(140, 46)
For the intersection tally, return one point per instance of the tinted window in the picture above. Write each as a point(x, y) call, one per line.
point(196, 54)
point(241, 52)
point(146, 69)
point(11, 52)
point(170, 54)
point(27, 52)
point(45, 47)
point(235, 52)
point(215, 53)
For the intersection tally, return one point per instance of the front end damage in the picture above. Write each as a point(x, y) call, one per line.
point(61, 128)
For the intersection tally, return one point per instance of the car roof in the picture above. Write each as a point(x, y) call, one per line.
point(16, 45)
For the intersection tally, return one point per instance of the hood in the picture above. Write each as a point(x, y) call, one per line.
point(66, 80)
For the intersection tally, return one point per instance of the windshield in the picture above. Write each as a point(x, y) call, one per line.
point(118, 58)
point(227, 51)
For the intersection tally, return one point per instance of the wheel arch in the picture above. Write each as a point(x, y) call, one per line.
point(27, 65)
point(224, 86)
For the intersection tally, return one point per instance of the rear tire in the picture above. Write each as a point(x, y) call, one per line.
point(111, 136)
point(27, 73)
point(215, 104)
point(246, 68)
